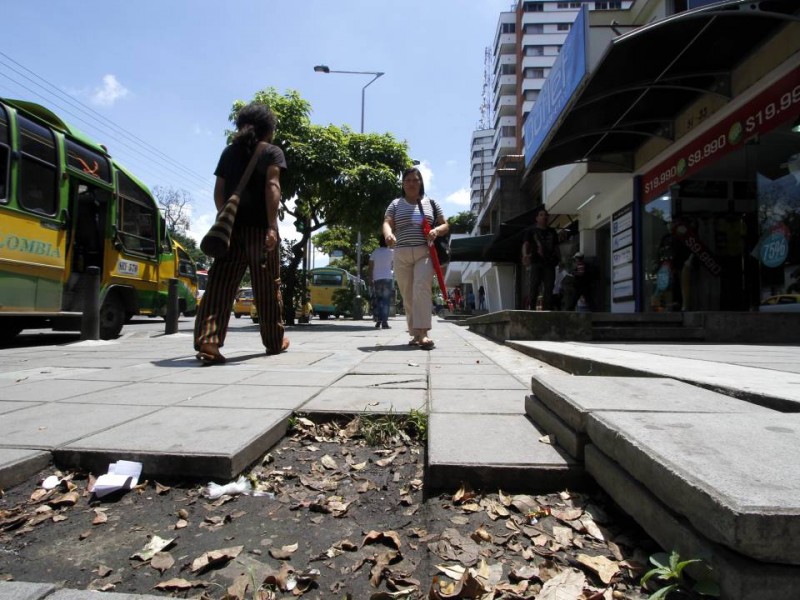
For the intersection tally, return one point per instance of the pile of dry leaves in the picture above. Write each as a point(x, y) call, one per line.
point(323, 515)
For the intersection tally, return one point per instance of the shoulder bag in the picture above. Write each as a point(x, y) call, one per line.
point(218, 239)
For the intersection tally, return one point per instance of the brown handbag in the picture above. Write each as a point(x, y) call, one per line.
point(218, 239)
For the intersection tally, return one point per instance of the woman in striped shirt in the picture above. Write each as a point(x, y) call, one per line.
point(405, 224)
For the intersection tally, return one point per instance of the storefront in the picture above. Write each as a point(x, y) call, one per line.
point(720, 217)
point(700, 111)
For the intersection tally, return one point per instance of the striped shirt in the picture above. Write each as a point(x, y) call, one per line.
point(408, 220)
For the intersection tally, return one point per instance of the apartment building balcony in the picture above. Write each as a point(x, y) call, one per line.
point(505, 84)
point(504, 58)
point(506, 42)
point(505, 105)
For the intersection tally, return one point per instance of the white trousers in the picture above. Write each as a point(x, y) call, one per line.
point(413, 270)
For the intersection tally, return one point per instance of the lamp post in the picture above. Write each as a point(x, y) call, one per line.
point(376, 74)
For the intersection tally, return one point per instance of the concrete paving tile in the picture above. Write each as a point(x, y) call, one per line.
point(574, 397)
point(377, 368)
point(146, 393)
point(293, 377)
point(218, 374)
point(22, 590)
point(491, 451)
point(37, 374)
point(16, 465)
point(498, 402)
point(406, 381)
point(50, 425)
point(10, 406)
point(184, 440)
point(489, 439)
point(136, 373)
point(733, 476)
point(251, 396)
point(355, 400)
point(64, 594)
point(483, 367)
point(49, 390)
point(474, 381)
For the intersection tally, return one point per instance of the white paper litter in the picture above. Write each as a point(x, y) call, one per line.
point(122, 475)
point(50, 482)
point(240, 486)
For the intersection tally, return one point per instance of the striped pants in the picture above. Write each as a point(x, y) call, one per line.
point(214, 312)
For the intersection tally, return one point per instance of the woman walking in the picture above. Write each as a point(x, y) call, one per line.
point(254, 240)
point(403, 230)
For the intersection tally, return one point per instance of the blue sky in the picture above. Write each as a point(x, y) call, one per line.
point(167, 72)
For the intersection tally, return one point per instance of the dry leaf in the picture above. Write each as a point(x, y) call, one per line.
point(328, 463)
point(68, 499)
point(283, 553)
point(103, 571)
point(524, 503)
point(162, 561)
point(183, 513)
point(100, 517)
point(385, 462)
point(604, 567)
point(567, 585)
point(215, 557)
point(161, 489)
point(181, 524)
point(464, 494)
point(387, 538)
point(178, 584)
point(548, 439)
point(591, 528)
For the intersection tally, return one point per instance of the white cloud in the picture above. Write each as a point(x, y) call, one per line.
point(427, 175)
point(111, 91)
point(198, 130)
point(459, 197)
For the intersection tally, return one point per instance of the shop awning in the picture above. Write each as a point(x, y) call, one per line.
point(502, 246)
point(650, 75)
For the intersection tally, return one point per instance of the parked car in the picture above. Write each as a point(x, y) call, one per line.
point(781, 303)
point(243, 302)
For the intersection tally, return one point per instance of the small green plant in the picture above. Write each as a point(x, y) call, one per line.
point(379, 430)
point(669, 569)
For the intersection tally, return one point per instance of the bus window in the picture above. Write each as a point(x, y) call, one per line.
point(5, 154)
point(37, 174)
point(137, 218)
point(329, 279)
point(186, 265)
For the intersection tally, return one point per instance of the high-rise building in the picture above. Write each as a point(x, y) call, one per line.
point(526, 43)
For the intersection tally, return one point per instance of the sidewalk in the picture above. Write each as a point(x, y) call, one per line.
point(711, 473)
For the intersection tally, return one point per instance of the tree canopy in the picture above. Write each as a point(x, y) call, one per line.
point(336, 177)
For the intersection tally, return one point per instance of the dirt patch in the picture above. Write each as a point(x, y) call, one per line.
point(327, 516)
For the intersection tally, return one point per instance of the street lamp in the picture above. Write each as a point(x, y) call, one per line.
point(326, 69)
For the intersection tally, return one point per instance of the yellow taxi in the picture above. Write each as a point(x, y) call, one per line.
point(243, 302)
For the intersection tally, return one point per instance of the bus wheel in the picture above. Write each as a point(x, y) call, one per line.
point(112, 317)
point(324, 316)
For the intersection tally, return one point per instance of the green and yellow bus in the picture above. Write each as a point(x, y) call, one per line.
point(324, 282)
point(66, 206)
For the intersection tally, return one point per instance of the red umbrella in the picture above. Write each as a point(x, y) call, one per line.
point(426, 228)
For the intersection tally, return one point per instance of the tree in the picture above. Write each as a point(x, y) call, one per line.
point(175, 205)
point(336, 177)
point(462, 222)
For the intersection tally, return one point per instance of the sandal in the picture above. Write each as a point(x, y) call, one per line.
point(284, 348)
point(427, 344)
point(414, 342)
point(209, 355)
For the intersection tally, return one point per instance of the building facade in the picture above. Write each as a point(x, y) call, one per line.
point(669, 131)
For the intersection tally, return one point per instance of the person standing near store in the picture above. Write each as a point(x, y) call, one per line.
point(380, 275)
point(540, 252)
point(413, 267)
point(254, 240)
point(481, 298)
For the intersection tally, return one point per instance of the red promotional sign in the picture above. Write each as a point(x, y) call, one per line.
point(775, 105)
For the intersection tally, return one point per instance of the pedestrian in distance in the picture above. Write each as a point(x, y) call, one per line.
point(381, 277)
point(254, 238)
point(540, 254)
point(413, 266)
point(481, 298)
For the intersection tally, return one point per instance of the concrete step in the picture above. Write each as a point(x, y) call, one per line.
point(637, 333)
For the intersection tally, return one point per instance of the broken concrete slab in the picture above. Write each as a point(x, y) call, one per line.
point(734, 477)
point(568, 438)
point(574, 397)
point(739, 577)
point(341, 400)
point(22, 590)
